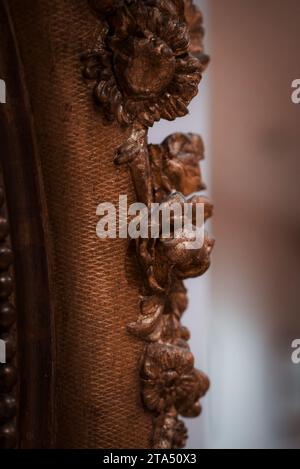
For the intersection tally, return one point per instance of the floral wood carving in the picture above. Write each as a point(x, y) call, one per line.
point(142, 65)
point(8, 375)
point(146, 63)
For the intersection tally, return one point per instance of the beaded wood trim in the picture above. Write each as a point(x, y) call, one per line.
point(8, 373)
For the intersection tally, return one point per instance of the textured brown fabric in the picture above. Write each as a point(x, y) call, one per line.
point(95, 286)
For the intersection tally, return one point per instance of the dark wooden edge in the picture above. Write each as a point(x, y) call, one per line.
point(27, 219)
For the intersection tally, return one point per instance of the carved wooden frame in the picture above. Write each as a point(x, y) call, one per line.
point(146, 64)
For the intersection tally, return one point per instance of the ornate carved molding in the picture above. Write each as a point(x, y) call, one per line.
point(8, 373)
point(147, 62)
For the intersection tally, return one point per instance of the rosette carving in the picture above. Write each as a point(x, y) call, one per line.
point(146, 64)
point(141, 63)
point(170, 379)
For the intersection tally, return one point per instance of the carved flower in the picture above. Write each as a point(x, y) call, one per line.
point(175, 165)
point(170, 379)
point(193, 387)
point(142, 65)
point(178, 253)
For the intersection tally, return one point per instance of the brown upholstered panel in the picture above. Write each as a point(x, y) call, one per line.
point(96, 294)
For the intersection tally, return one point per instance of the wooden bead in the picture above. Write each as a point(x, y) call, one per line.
point(8, 377)
point(8, 407)
point(7, 315)
point(6, 285)
point(6, 257)
point(8, 436)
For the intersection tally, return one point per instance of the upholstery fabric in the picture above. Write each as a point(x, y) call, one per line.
point(95, 284)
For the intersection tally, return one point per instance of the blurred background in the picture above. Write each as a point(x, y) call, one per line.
point(245, 313)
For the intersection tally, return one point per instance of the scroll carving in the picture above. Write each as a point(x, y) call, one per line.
point(8, 374)
point(146, 63)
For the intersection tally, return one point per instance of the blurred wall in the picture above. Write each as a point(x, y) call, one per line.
point(255, 157)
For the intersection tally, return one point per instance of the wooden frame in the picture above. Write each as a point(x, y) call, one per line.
point(146, 64)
